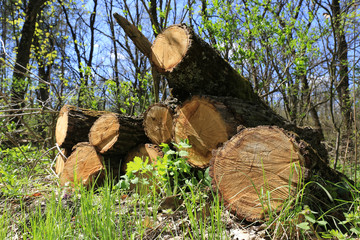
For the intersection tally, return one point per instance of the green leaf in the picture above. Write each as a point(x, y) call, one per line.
point(322, 222)
point(310, 218)
point(303, 225)
point(183, 153)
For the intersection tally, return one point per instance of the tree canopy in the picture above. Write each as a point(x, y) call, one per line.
point(302, 58)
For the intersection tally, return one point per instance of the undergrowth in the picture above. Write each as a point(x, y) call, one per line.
point(164, 199)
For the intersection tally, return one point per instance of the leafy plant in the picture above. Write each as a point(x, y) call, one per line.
point(167, 173)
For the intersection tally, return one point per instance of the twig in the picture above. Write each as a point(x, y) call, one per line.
point(58, 148)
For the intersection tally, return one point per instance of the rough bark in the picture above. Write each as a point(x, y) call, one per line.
point(73, 125)
point(193, 67)
point(83, 166)
point(158, 123)
point(117, 134)
point(258, 169)
point(341, 53)
point(207, 122)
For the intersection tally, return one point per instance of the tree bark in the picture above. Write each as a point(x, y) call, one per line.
point(193, 67)
point(73, 125)
point(83, 166)
point(258, 169)
point(341, 52)
point(116, 134)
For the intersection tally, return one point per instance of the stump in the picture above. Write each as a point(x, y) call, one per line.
point(259, 168)
point(117, 134)
point(73, 125)
point(158, 123)
point(193, 67)
point(83, 166)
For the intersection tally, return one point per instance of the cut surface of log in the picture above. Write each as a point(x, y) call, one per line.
point(117, 134)
point(73, 125)
point(264, 165)
point(158, 124)
point(83, 166)
point(206, 124)
point(60, 161)
point(193, 67)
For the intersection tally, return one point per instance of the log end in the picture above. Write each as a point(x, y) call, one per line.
point(256, 171)
point(170, 47)
point(62, 125)
point(158, 123)
point(83, 166)
point(104, 132)
point(60, 162)
point(200, 121)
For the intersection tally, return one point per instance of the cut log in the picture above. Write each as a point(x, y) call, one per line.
point(193, 67)
point(259, 168)
point(143, 44)
point(207, 122)
point(140, 41)
point(158, 123)
point(83, 166)
point(73, 125)
point(117, 134)
point(60, 161)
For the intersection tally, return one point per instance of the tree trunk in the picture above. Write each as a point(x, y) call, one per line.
point(158, 123)
point(207, 122)
point(73, 125)
point(83, 166)
point(19, 84)
point(342, 60)
point(193, 67)
point(117, 134)
point(258, 169)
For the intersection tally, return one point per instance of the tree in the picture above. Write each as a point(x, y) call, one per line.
point(20, 84)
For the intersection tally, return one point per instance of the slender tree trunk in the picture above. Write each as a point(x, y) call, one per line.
point(20, 84)
point(342, 59)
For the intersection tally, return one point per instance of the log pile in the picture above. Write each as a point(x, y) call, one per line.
point(249, 148)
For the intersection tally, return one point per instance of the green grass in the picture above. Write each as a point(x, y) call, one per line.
point(112, 212)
